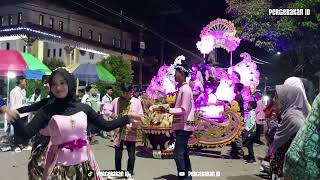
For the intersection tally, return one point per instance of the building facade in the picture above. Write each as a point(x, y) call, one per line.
point(50, 32)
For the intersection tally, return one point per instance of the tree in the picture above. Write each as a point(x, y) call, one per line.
point(121, 69)
point(297, 36)
point(53, 63)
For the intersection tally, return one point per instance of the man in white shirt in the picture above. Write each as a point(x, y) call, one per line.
point(86, 96)
point(106, 100)
point(17, 100)
point(107, 97)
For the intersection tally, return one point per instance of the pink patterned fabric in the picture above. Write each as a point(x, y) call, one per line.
point(68, 145)
point(131, 129)
point(184, 110)
point(260, 116)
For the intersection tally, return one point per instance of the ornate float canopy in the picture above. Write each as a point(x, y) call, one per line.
point(219, 33)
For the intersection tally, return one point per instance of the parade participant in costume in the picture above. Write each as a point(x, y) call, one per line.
point(303, 156)
point(66, 123)
point(183, 122)
point(125, 135)
point(290, 103)
point(195, 83)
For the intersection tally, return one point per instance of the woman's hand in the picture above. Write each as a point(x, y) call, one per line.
point(135, 118)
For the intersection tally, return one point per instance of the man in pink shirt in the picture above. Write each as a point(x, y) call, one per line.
point(183, 123)
point(126, 135)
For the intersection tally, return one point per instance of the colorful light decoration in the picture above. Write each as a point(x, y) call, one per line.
point(161, 83)
point(206, 44)
point(31, 30)
point(219, 33)
point(225, 91)
point(211, 111)
point(248, 71)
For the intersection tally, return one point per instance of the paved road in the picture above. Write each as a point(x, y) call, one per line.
point(14, 166)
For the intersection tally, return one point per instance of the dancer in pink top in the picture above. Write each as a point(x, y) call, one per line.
point(69, 155)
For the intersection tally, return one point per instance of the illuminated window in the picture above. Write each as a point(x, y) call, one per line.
point(10, 20)
point(80, 31)
point(60, 25)
point(51, 23)
point(100, 37)
point(90, 34)
point(19, 18)
point(41, 20)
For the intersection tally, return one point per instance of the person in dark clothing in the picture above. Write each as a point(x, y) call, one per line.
point(236, 146)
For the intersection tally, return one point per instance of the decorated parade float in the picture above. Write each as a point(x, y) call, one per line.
point(218, 121)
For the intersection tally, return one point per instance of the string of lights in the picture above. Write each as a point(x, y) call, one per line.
point(31, 30)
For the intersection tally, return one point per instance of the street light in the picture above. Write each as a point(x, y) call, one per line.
point(278, 53)
point(266, 99)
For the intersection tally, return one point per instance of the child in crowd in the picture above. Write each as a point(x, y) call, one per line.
point(249, 132)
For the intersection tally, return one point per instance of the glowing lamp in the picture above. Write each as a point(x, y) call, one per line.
point(11, 75)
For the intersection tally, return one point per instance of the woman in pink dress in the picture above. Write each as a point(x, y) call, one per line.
point(69, 156)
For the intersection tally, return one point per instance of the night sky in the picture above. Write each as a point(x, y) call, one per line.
point(182, 27)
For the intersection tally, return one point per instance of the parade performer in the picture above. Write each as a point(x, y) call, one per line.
point(127, 134)
point(66, 122)
point(183, 122)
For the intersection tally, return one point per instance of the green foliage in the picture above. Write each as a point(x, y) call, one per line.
point(121, 69)
point(53, 63)
point(298, 35)
point(32, 85)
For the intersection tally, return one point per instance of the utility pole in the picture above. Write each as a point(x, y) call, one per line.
point(142, 48)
